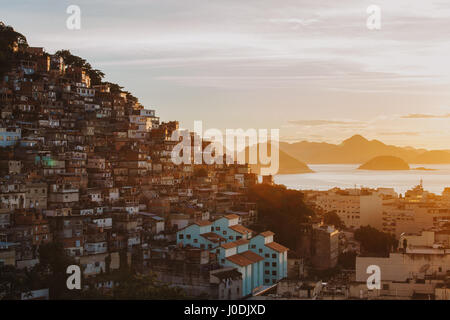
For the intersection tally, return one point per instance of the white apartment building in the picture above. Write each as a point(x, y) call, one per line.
point(421, 266)
point(356, 207)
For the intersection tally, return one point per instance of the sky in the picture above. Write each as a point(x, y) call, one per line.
point(311, 68)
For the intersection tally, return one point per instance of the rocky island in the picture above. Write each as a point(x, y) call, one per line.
point(385, 163)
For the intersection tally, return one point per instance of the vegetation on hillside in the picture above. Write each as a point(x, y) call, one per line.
point(72, 60)
point(9, 38)
point(51, 273)
point(280, 210)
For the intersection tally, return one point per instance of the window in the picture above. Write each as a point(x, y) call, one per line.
point(260, 250)
point(274, 264)
point(274, 273)
point(224, 232)
point(254, 246)
point(181, 236)
point(266, 280)
point(274, 256)
point(188, 236)
point(195, 240)
point(217, 228)
point(267, 255)
point(266, 264)
point(230, 237)
point(267, 272)
point(386, 286)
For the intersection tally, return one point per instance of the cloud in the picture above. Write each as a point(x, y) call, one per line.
point(399, 133)
point(426, 116)
point(295, 21)
point(324, 122)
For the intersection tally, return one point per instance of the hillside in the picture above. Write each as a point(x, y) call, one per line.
point(287, 164)
point(433, 157)
point(357, 150)
point(385, 163)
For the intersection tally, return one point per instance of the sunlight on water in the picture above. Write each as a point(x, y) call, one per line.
point(327, 176)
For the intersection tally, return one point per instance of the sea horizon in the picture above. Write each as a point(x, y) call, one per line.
point(328, 176)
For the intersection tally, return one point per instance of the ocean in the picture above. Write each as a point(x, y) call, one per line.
point(327, 176)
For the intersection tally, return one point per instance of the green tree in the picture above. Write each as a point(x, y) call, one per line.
point(8, 38)
point(347, 260)
point(144, 287)
point(332, 218)
point(282, 211)
point(12, 283)
point(72, 60)
point(374, 241)
point(53, 263)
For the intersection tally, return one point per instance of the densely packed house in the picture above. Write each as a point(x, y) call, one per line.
point(85, 164)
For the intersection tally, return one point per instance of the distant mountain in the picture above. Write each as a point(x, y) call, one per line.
point(355, 150)
point(385, 163)
point(287, 164)
point(433, 157)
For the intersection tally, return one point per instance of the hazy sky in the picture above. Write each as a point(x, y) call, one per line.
point(309, 67)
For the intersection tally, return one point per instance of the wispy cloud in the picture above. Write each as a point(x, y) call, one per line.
point(324, 122)
point(426, 116)
point(399, 133)
point(296, 22)
point(270, 62)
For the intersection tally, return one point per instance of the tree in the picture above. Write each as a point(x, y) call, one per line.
point(8, 39)
point(282, 211)
point(332, 218)
point(374, 241)
point(72, 60)
point(12, 283)
point(144, 287)
point(53, 263)
point(348, 260)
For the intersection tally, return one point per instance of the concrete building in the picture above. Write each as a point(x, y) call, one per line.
point(418, 269)
point(260, 260)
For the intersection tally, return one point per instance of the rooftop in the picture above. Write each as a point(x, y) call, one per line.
point(233, 244)
point(241, 229)
point(276, 246)
point(245, 258)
